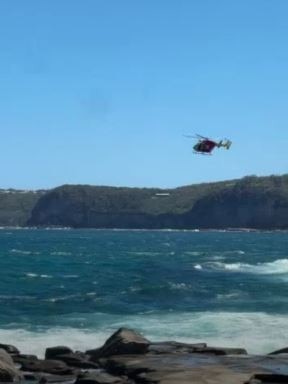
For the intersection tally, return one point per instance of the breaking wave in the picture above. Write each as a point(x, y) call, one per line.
point(222, 329)
point(275, 267)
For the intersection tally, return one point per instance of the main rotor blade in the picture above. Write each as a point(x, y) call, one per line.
point(191, 137)
point(202, 137)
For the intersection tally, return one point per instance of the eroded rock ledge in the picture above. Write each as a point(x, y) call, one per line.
point(128, 358)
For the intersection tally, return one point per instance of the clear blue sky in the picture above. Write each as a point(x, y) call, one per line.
point(101, 92)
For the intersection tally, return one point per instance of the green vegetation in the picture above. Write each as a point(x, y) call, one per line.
point(16, 206)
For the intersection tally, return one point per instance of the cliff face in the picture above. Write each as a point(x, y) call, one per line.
point(253, 209)
point(99, 207)
point(251, 202)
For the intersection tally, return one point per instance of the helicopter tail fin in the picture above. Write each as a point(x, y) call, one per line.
point(228, 144)
point(225, 144)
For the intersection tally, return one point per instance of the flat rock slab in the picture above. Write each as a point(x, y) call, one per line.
point(195, 368)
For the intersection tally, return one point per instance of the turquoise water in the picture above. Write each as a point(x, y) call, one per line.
point(75, 287)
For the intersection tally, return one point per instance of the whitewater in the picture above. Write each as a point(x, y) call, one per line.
point(76, 287)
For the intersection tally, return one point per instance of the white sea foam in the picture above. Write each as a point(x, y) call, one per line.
point(23, 252)
point(275, 267)
point(60, 253)
point(230, 295)
point(37, 342)
point(193, 253)
point(134, 253)
point(20, 251)
point(179, 286)
point(259, 333)
point(32, 275)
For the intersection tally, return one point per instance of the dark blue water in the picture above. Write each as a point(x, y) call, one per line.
point(219, 287)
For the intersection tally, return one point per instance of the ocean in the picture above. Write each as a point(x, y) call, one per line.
point(76, 287)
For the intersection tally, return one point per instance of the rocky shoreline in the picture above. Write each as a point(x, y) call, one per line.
point(129, 358)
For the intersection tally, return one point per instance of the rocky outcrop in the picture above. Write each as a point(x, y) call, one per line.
point(122, 342)
point(53, 352)
point(129, 358)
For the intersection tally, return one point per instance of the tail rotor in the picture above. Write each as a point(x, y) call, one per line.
point(225, 143)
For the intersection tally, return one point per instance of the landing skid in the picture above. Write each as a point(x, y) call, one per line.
point(202, 153)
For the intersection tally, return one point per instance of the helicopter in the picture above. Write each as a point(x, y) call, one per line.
point(205, 145)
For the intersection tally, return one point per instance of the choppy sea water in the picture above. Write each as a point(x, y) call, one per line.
point(76, 287)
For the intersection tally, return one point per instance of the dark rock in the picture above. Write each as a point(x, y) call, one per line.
point(168, 347)
point(42, 377)
point(23, 357)
point(100, 378)
point(171, 347)
point(9, 348)
point(124, 341)
point(124, 365)
point(279, 351)
point(268, 378)
point(49, 378)
point(31, 376)
point(79, 360)
point(50, 366)
point(221, 351)
point(52, 352)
